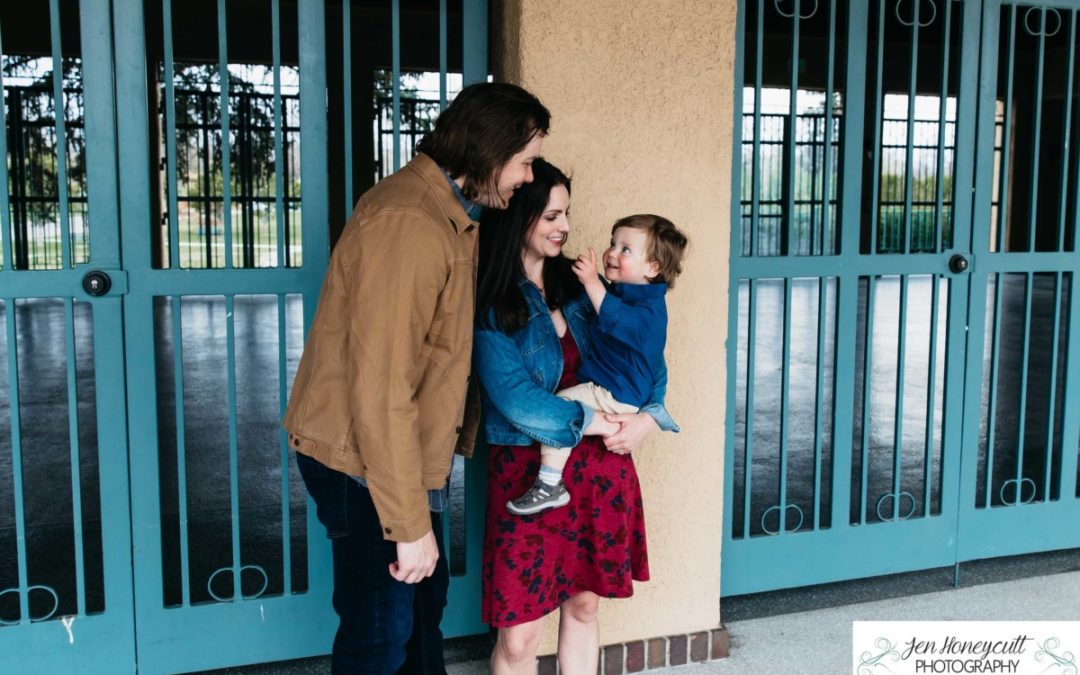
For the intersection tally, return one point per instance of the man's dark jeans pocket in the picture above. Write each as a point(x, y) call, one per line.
point(329, 489)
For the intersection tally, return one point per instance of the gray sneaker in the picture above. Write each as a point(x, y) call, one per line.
point(540, 497)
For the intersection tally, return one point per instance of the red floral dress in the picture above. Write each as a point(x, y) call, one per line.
point(595, 543)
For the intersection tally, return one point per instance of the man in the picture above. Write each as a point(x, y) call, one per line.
point(378, 406)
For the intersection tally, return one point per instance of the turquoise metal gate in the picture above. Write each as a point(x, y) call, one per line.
point(218, 190)
point(65, 541)
point(900, 395)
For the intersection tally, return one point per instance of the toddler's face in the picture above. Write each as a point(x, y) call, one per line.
point(627, 259)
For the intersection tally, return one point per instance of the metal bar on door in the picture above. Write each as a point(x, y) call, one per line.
point(748, 444)
point(820, 390)
point(1052, 387)
point(875, 208)
point(442, 55)
point(279, 145)
point(226, 143)
point(395, 82)
point(827, 145)
point(789, 143)
point(170, 139)
point(901, 367)
point(234, 460)
point(991, 405)
point(60, 121)
point(346, 101)
point(939, 197)
point(1037, 130)
point(868, 367)
point(75, 455)
point(14, 409)
point(1003, 183)
point(177, 313)
point(909, 148)
point(5, 205)
point(931, 386)
point(1066, 127)
point(1025, 352)
point(755, 174)
point(785, 387)
point(283, 444)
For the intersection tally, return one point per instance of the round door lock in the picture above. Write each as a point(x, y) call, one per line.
point(958, 264)
point(96, 283)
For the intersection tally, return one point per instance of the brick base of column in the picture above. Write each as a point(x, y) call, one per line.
point(661, 652)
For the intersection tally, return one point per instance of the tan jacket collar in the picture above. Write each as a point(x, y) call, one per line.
point(433, 175)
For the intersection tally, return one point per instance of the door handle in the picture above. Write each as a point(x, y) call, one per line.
point(958, 264)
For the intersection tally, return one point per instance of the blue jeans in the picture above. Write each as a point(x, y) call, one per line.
point(385, 626)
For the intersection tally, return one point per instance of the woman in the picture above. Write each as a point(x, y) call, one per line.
point(530, 338)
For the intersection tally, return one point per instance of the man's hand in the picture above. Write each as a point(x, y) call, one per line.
point(633, 429)
point(415, 559)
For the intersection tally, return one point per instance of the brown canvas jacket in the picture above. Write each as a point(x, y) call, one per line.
point(381, 388)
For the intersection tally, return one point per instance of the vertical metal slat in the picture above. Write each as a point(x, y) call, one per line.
point(73, 435)
point(16, 459)
point(785, 386)
point(59, 114)
point(875, 208)
point(346, 88)
point(5, 212)
point(789, 143)
point(279, 177)
point(755, 175)
point(1003, 184)
point(939, 230)
point(1065, 129)
point(234, 464)
point(748, 446)
point(826, 180)
point(901, 367)
point(931, 393)
point(1037, 131)
point(909, 148)
point(991, 405)
point(868, 367)
point(442, 54)
point(283, 398)
point(395, 83)
point(181, 445)
point(818, 404)
point(170, 138)
point(226, 145)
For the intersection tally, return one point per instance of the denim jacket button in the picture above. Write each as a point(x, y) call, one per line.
point(388, 530)
point(458, 430)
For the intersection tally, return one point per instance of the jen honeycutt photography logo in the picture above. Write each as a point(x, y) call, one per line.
point(1019, 647)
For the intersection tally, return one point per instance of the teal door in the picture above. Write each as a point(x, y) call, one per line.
point(899, 388)
point(185, 537)
point(65, 537)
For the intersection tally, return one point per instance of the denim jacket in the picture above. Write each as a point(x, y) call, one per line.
point(520, 372)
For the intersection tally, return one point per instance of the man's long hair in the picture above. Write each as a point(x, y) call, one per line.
point(484, 126)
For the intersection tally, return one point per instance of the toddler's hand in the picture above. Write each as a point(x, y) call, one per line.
point(585, 268)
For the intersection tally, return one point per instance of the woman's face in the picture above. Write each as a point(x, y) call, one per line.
point(547, 235)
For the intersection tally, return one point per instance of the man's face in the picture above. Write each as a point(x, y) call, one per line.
point(514, 174)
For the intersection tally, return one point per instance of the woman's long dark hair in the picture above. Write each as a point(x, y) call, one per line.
point(502, 240)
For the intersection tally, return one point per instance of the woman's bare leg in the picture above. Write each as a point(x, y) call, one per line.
point(579, 635)
point(515, 649)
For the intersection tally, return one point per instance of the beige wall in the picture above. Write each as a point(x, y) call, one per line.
point(641, 99)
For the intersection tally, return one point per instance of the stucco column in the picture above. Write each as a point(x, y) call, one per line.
point(641, 99)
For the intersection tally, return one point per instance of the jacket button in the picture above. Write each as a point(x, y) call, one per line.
point(388, 530)
point(296, 442)
point(458, 430)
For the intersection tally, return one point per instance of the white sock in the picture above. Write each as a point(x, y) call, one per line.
point(549, 476)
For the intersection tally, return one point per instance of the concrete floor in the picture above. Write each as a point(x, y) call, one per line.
point(808, 630)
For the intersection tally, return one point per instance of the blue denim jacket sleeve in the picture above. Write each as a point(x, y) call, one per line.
point(655, 405)
point(530, 408)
